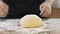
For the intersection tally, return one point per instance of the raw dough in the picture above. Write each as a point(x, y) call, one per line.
point(31, 21)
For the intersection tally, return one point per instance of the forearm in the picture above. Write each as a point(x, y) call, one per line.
point(50, 1)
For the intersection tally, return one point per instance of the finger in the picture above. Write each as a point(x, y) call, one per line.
point(46, 14)
point(41, 6)
point(4, 9)
point(2, 12)
point(43, 11)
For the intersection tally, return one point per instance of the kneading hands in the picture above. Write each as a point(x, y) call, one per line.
point(45, 8)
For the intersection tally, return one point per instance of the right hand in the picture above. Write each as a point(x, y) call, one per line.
point(45, 10)
point(3, 9)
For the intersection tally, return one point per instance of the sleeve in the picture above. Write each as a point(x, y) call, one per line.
point(8, 2)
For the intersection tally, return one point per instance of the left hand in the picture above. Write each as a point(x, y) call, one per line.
point(45, 9)
point(3, 9)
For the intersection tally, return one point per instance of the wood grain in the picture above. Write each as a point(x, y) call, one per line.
point(55, 13)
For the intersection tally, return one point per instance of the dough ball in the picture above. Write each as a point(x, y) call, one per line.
point(31, 21)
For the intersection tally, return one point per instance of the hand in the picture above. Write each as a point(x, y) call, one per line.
point(45, 9)
point(3, 9)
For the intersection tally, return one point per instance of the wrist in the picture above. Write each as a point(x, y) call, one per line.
point(49, 2)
